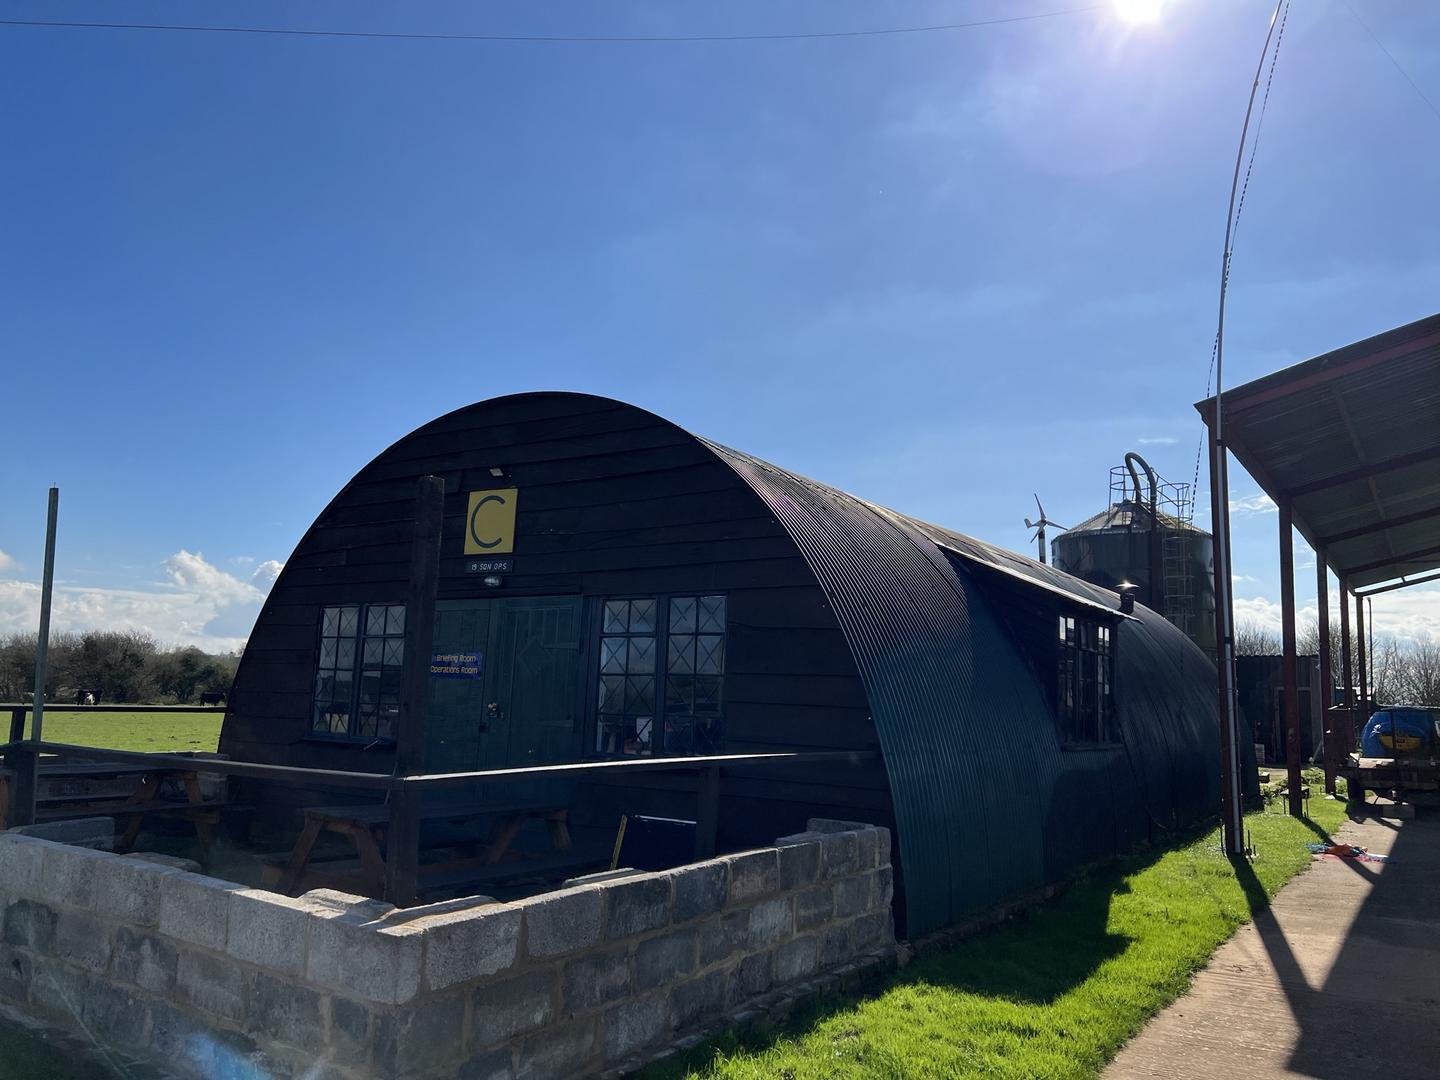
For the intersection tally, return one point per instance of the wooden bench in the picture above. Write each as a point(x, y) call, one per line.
point(364, 826)
point(136, 806)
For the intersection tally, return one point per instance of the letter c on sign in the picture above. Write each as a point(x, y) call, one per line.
point(474, 518)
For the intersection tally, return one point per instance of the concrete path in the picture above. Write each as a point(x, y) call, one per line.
point(1339, 979)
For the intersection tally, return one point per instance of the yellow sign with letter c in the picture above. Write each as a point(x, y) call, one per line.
point(490, 522)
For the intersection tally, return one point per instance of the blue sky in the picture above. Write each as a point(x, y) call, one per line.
point(940, 270)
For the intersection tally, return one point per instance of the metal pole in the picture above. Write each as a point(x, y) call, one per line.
point(1292, 681)
point(402, 840)
point(25, 763)
point(42, 643)
point(1329, 738)
point(1234, 833)
point(1230, 792)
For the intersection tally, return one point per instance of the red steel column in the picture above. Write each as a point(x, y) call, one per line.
point(1346, 646)
point(1362, 708)
point(1331, 744)
point(1292, 680)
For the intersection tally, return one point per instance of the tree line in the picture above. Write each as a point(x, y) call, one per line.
point(119, 667)
point(1405, 671)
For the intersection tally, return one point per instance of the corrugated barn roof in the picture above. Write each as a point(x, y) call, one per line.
point(987, 803)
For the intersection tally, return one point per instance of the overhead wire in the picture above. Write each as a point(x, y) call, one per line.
point(1391, 57)
point(1239, 209)
point(551, 38)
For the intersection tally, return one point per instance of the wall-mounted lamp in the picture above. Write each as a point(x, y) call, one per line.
point(492, 581)
point(496, 471)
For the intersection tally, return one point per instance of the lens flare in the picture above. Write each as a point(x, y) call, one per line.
point(1138, 11)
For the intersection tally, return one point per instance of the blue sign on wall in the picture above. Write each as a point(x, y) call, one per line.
point(457, 665)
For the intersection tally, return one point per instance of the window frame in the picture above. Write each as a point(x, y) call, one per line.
point(661, 717)
point(1091, 643)
point(357, 672)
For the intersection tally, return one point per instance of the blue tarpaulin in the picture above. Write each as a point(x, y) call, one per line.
point(1399, 733)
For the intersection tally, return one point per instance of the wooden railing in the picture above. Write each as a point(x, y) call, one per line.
point(403, 792)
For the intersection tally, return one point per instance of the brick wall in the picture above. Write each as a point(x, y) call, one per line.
point(207, 978)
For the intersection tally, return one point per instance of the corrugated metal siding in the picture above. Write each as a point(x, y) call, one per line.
point(986, 803)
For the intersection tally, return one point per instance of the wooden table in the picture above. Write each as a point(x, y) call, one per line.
point(365, 827)
point(145, 799)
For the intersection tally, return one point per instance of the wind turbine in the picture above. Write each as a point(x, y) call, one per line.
point(1039, 527)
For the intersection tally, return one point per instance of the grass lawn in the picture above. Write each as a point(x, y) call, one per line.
point(1054, 993)
point(155, 731)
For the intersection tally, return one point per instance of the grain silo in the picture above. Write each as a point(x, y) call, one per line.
point(1146, 537)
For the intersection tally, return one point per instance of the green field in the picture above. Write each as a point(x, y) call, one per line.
point(1053, 994)
point(150, 731)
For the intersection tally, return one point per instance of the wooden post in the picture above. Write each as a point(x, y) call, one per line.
point(402, 842)
point(707, 814)
point(1292, 680)
point(23, 787)
point(1331, 739)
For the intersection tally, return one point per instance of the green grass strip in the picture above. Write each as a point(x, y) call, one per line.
point(1053, 993)
point(156, 732)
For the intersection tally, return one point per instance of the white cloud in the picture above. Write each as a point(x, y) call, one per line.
point(1405, 613)
point(1259, 503)
point(266, 573)
point(199, 604)
point(1157, 440)
point(7, 562)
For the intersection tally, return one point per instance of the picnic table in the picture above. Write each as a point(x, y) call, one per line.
point(365, 825)
point(144, 799)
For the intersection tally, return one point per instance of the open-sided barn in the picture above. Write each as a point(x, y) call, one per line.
point(612, 585)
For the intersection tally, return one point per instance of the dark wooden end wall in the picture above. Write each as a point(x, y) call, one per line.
point(612, 501)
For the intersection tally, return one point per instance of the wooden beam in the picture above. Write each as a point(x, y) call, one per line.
point(23, 707)
point(291, 775)
point(637, 765)
point(402, 841)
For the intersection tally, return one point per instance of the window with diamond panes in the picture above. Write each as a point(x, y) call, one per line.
point(382, 654)
point(357, 681)
point(1086, 682)
point(625, 715)
point(694, 673)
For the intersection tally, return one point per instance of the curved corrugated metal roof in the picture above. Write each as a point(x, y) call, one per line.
point(987, 804)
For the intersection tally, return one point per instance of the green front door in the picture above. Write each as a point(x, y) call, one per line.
point(520, 707)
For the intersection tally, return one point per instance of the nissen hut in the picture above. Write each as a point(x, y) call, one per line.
point(612, 586)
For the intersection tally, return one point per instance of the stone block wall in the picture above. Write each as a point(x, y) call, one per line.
point(207, 978)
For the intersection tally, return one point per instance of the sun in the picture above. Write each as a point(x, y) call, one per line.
point(1138, 11)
